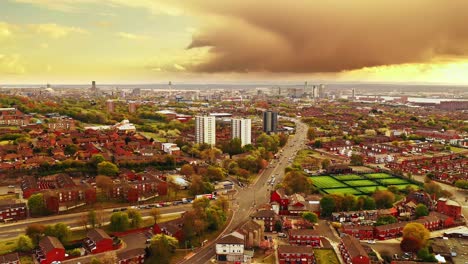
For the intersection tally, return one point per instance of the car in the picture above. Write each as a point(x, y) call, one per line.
point(11, 186)
point(372, 241)
point(116, 210)
point(283, 235)
point(123, 209)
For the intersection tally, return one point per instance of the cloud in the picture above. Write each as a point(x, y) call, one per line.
point(325, 36)
point(7, 30)
point(131, 36)
point(54, 30)
point(11, 64)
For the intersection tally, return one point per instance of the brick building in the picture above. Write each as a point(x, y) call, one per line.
point(352, 251)
point(449, 207)
point(9, 210)
point(295, 254)
point(304, 237)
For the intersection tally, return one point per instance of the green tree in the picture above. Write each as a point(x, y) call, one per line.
point(232, 147)
point(421, 210)
point(357, 160)
point(385, 220)
point(327, 204)
point(95, 261)
point(198, 186)
point(60, 230)
point(310, 217)
point(107, 168)
point(163, 247)
point(119, 222)
point(268, 142)
point(463, 184)
point(24, 243)
point(92, 218)
point(70, 149)
point(187, 170)
point(37, 205)
point(135, 218)
point(425, 255)
point(35, 232)
point(155, 213)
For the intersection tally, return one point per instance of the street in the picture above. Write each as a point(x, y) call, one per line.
point(257, 193)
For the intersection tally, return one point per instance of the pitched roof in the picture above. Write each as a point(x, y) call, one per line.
point(49, 243)
point(132, 253)
point(11, 257)
point(284, 249)
point(353, 246)
point(303, 232)
point(251, 226)
point(265, 214)
point(233, 238)
point(97, 235)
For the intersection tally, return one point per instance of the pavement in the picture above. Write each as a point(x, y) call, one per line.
point(256, 193)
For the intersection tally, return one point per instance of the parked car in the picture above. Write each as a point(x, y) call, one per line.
point(283, 235)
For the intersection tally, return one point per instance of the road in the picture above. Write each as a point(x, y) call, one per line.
point(17, 228)
point(257, 193)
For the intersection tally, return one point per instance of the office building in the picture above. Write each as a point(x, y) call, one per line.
point(110, 106)
point(205, 130)
point(270, 121)
point(242, 129)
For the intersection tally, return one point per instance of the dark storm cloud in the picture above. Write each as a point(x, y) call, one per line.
point(305, 36)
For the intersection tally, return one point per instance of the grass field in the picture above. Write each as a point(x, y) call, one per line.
point(378, 175)
point(347, 177)
point(371, 189)
point(393, 181)
point(7, 246)
point(361, 183)
point(325, 256)
point(403, 186)
point(342, 190)
point(326, 182)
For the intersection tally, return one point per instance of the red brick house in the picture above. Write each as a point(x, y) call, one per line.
point(11, 258)
point(131, 256)
point(50, 250)
point(352, 251)
point(172, 228)
point(304, 237)
point(9, 210)
point(98, 241)
point(361, 232)
point(281, 199)
point(449, 207)
point(295, 254)
point(266, 217)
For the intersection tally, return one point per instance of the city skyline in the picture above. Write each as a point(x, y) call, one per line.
point(144, 41)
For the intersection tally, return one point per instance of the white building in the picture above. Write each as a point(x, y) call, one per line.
point(242, 129)
point(169, 148)
point(205, 129)
point(230, 248)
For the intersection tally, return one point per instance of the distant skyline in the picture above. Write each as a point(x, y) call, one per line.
point(208, 41)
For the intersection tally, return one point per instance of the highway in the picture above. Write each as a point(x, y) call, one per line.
point(72, 220)
point(255, 194)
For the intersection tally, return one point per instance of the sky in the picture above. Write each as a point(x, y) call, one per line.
point(156, 41)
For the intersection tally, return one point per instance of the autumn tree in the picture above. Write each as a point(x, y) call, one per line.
point(357, 160)
point(232, 147)
point(187, 170)
point(198, 186)
point(417, 233)
point(296, 182)
point(325, 164)
point(135, 218)
point(24, 243)
point(155, 213)
point(92, 219)
point(35, 232)
point(60, 230)
point(384, 199)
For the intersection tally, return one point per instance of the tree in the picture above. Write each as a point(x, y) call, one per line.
point(222, 203)
point(357, 160)
point(37, 205)
point(297, 182)
point(385, 220)
point(327, 204)
point(417, 232)
point(24, 243)
point(135, 218)
point(349, 202)
point(425, 255)
point(268, 142)
point(463, 184)
point(325, 164)
point(35, 232)
point(198, 186)
point(119, 222)
point(187, 170)
point(215, 173)
point(310, 217)
point(369, 203)
point(107, 168)
point(156, 214)
point(96, 159)
point(211, 154)
point(311, 133)
point(384, 199)
point(60, 230)
point(163, 247)
point(421, 210)
point(95, 261)
point(200, 204)
point(92, 218)
point(232, 147)
point(278, 226)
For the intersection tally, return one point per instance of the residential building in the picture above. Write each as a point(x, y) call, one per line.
point(13, 117)
point(352, 251)
point(205, 130)
point(253, 233)
point(132, 107)
point(10, 258)
point(110, 106)
point(270, 121)
point(97, 241)
point(50, 251)
point(304, 237)
point(267, 218)
point(449, 207)
point(131, 256)
point(242, 129)
point(230, 248)
point(9, 210)
point(288, 254)
point(361, 232)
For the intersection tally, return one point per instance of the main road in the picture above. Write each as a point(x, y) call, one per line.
point(72, 220)
point(255, 194)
